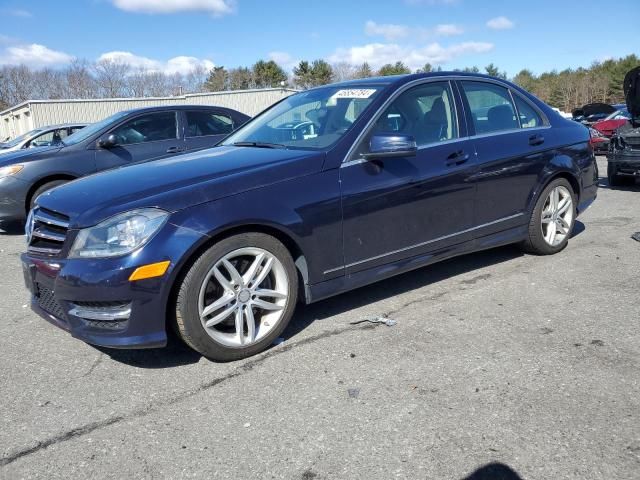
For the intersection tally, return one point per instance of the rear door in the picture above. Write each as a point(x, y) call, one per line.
point(143, 137)
point(205, 128)
point(395, 208)
point(511, 150)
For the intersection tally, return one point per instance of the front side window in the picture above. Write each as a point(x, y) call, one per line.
point(202, 123)
point(45, 140)
point(151, 127)
point(425, 112)
point(311, 120)
point(491, 107)
point(529, 117)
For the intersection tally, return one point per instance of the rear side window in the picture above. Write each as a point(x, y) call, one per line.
point(529, 117)
point(491, 107)
point(151, 127)
point(200, 124)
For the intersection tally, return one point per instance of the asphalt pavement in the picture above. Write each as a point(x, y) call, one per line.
point(500, 364)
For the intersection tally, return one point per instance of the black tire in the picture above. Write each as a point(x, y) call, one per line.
point(616, 180)
point(535, 242)
point(188, 324)
point(43, 188)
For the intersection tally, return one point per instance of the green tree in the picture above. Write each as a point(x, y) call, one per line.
point(363, 71)
point(268, 74)
point(398, 69)
point(526, 79)
point(217, 80)
point(494, 71)
point(240, 78)
point(428, 68)
point(321, 72)
point(302, 74)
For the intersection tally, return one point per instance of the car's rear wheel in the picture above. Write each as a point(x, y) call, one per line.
point(237, 297)
point(552, 219)
point(43, 188)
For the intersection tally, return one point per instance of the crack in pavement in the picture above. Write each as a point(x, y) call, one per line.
point(141, 412)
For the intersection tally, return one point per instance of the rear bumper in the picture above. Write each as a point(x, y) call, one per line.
point(13, 195)
point(94, 300)
point(625, 164)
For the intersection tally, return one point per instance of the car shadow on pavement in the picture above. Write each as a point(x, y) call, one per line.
point(494, 471)
point(11, 228)
point(175, 354)
point(632, 186)
point(422, 277)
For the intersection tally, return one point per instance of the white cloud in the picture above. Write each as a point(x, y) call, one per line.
point(393, 32)
point(378, 54)
point(448, 29)
point(17, 12)
point(33, 55)
point(284, 59)
point(180, 64)
point(500, 23)
point(388, 31)
point(214, 7)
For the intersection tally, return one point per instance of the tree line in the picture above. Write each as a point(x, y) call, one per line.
point(566, 89)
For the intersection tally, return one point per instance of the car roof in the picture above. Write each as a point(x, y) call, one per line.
point(61, 125)
point(409, 77)
point(162, 108)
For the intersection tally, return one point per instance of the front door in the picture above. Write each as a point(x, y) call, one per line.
point(147, 136)
point(396, 208)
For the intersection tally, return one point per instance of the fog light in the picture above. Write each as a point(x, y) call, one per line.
point(150, 271)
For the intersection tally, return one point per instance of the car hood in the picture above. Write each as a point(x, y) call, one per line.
point(25, 154)
point(596, 108)
point(177, 182)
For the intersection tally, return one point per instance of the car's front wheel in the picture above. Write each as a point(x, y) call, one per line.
point(552, 219)
point(237, 297)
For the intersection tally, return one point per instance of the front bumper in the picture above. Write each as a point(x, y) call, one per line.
point(13, 198)
point(94, 300)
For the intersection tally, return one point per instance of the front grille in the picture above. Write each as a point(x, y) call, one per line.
point(47, 301)
point(46, 231)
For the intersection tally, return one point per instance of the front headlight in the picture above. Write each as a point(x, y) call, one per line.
point(118, 235)
point(10, 170)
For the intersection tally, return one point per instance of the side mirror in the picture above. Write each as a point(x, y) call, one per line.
point(109, 141)
point(389, 145)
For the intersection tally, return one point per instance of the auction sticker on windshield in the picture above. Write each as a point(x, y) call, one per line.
point(354, 93)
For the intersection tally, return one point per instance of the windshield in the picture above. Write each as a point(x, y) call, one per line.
point(619, 114)
point(21, 138)
point(313, 120)
point(89, 130)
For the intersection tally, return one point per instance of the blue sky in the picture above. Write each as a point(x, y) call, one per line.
point(175, 35)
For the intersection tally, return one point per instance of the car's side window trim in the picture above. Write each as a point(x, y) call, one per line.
point(177, 137)
point(347, 161)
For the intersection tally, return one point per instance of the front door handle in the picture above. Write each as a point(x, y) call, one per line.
point(174, 149)
point(536, 140)
point(457, 158)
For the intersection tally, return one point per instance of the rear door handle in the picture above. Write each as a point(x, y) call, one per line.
point(457, 158)
point(174, 149)
point(536, 140)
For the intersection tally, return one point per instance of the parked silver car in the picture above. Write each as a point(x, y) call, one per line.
point(41, 137)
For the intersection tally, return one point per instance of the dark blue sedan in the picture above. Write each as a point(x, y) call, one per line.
point(328, 190)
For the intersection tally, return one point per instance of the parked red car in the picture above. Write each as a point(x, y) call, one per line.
point(598, 141)
point(609, 125)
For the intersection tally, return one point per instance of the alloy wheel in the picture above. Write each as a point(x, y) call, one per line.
point(557, 216)
point(243, 297)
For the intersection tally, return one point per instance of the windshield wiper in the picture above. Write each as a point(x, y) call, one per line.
point(259, 145)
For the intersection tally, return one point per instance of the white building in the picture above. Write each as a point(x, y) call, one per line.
point(32, 114)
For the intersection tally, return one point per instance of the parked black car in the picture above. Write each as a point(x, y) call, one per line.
point(623, 159)
point(123, 138)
